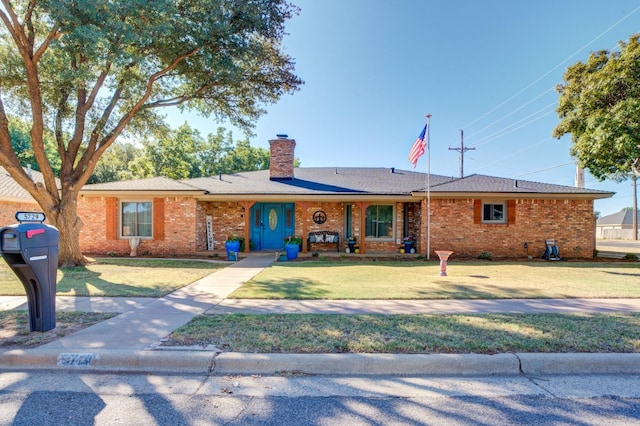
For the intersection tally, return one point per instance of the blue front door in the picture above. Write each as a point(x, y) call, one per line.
point(272, 222)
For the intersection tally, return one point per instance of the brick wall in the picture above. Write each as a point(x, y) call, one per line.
point(228, 219)
point(570, 222)
point(282, 158)
point(336, 222)
point(8, 211)
point(178, 220)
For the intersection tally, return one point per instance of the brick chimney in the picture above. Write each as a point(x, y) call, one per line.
point(282, 157)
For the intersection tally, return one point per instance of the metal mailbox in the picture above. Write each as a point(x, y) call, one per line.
point(30, 248)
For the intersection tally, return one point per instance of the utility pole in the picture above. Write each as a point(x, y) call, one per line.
point(461, 150)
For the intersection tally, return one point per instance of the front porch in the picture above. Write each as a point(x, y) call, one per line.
point(267, 225)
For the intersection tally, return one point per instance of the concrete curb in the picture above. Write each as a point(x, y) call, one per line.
point(580, 363)
point(213, 363)
point(367, 364)
point(109, 360)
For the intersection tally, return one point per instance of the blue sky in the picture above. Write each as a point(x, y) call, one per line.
point(373, 69)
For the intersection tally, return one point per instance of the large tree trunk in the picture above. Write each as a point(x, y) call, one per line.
point(69, 224)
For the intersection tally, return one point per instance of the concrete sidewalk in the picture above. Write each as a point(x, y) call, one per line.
point(129, 341)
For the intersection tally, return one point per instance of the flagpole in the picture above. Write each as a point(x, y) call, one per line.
point(428, 187)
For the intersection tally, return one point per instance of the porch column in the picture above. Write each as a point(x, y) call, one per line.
point(304, 208)
point(362, 205)
point(246, 205)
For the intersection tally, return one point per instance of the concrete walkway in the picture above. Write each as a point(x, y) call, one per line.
point(125, 342)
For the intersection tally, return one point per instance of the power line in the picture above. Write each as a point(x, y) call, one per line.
point(512, 112)
point(511, 129)
point(555, 67)
point(548, 168)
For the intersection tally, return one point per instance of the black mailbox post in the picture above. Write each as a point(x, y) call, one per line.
point(31, 250)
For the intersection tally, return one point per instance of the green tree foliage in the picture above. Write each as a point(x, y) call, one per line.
point(180, 154)
point(599, 106)
point(117, 163)
point(174, 154)
point(90, 71)
point(21, 144)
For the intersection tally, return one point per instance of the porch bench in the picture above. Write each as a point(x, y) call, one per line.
point(323, 237)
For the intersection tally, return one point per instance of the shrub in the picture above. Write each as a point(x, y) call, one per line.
point(485, 255)
point(631, 257)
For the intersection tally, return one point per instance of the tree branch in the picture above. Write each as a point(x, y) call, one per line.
point(53, 34)
point(96, 148)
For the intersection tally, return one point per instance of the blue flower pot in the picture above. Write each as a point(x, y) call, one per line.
point(233, 248)
point(292, 251)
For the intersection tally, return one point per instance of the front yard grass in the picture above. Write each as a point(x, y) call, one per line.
point(118, 277)
point(488, 334)
point(465, 280)
point(14, 332)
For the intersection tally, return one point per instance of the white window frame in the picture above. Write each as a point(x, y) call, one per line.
point(505, 213)
point(121, 223)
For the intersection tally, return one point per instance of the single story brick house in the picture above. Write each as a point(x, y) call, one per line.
point(378, 207)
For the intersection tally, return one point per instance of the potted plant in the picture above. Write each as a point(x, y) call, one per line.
point(232, 245)
point(292, 246)
point(351, 242)
point(408, 243)
point(294, 240)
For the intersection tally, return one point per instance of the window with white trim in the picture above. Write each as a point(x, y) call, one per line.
point(136, 219)
point(379, 221)
point(494, 212)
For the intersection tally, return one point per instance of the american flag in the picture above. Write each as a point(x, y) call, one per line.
point(418, 147)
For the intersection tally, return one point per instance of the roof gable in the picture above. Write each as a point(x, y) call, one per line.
point(619, 218)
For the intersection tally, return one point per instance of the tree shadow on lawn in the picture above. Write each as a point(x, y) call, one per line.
point(163, 263)
point(622, 273)
point(296, 288)
point(80, 281)
point(449, 290)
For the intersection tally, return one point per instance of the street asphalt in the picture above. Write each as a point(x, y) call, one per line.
point(131, 340)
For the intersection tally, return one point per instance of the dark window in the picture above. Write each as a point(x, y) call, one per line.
point(379, 222)
point(494, 213)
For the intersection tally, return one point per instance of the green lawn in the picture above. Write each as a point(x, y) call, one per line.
point(465, 280)
point(491, 333)
point(119, 277)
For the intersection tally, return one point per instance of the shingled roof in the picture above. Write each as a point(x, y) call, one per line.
point(319, 181)
point(345, 181)
point(624, 217)
point(154, 184)
point(11, 191)
point(490, 184)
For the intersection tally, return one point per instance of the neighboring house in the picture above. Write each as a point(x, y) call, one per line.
point(617, 225)
point(14, 198)
point(379, 207)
